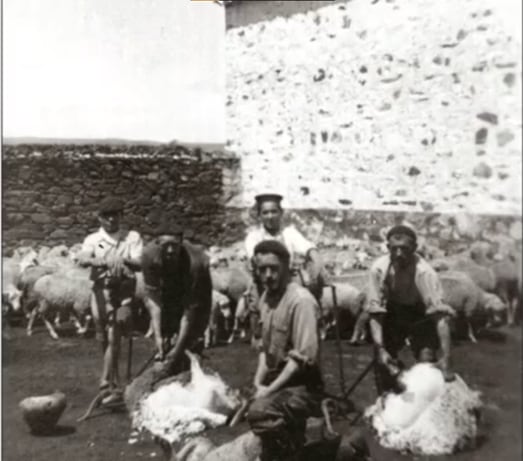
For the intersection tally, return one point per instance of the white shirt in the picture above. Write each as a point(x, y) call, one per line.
point(295, 243)
point(125, 244)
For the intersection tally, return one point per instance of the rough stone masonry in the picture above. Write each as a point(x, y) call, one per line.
point(50, 192)
point(384, 105)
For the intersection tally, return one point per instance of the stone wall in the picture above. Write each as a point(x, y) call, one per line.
point(50, 192)
point(383, 105)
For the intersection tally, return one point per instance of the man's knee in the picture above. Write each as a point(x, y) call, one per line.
point(263, 416)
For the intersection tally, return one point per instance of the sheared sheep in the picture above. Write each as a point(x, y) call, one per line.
point(179, 409)
point(245, 447)
point(430, 417)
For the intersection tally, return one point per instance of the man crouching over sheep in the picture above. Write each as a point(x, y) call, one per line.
point(405, 302)
point(178, 295)
point(288, 381)
point(113, 254)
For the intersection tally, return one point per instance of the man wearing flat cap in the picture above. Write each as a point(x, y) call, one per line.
point(113, 255)
point(270, 213)
point(178, 295)
point(405, 301)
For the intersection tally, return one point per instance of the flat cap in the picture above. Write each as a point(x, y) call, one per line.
point(402, 230)
point(268, 198)
point(167, 227)
point(110, 205)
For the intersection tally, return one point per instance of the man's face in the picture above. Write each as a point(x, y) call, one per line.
point(171, 247)
point(272, 272)
point(270, 215)
point(110, 222)
point(401, 248)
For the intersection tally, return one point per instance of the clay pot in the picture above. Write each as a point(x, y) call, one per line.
point(41, 413)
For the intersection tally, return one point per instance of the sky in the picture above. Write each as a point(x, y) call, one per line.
point(127, 69)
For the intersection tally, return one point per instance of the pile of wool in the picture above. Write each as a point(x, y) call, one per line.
point(430, 417)
point(180, 409)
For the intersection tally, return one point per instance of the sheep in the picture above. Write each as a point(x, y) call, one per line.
point(178, 409)
point(220, 314)
point(471, 303)
point(350, 302)
point(11, 272)
point(430, 417)
point(68, 292)
point(245, 447)
point(484, 277)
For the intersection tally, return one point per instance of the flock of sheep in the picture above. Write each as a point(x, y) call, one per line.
point(481, 283)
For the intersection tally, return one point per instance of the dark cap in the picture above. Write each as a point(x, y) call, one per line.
point(167, 227)
point(110, 205)
point(268, 198)
point(402, 230)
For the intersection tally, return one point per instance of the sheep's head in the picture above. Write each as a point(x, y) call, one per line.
point(495, 308)
point(29, 259)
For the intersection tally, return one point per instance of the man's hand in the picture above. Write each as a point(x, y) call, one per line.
point(386, 359)
point(448, 375)
point(115, 263)
point(261, 391)
point(443, 309)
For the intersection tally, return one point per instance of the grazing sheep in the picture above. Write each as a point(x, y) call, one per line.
point(471, 304)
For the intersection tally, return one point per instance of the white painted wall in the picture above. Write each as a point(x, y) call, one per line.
point(128, 69)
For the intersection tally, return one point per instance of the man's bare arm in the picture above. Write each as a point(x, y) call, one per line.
point(290, 369)
point(261, 371)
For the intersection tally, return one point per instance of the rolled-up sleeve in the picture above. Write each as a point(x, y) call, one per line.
point(375, 302)
point(431, 291)
point(299, 243)
point(135, 246)
point(304, 333)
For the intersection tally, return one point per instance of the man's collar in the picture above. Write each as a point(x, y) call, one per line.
point(108, 237)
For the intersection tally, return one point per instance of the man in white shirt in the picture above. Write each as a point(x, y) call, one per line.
point(113, 255)
point(270, 213)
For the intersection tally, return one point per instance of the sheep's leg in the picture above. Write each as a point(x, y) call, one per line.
point(57, 321)
point(359, 332)
point(49, 326)
point(32, 318)
point(470, 332)
point(150, 331)
point(80, 330)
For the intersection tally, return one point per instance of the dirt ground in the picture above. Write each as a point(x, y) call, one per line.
point(38, 365)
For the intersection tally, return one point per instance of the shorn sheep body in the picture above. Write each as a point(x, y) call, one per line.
point(430, 417)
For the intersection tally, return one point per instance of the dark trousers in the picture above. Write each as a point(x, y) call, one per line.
point(280, 420)
point(400, 323)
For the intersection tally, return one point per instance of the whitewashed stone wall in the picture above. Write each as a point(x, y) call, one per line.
point(385, 105)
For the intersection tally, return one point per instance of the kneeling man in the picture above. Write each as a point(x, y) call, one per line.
point(405, 302)
point(288, 380)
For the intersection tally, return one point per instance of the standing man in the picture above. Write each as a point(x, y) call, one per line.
point(178, 295)
point(113, 255)
point(270, 213)
point(405, 302)
point(288, 381)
